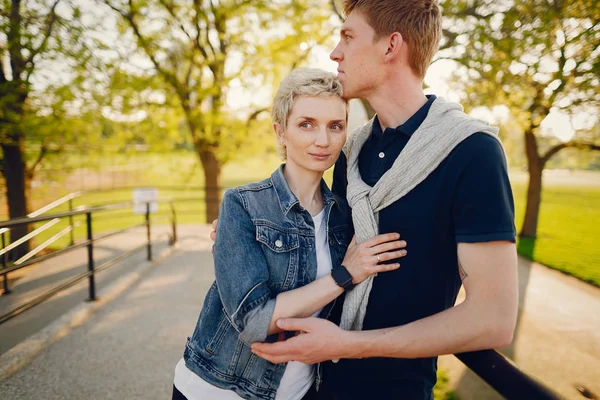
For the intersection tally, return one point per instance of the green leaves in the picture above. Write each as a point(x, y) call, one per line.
point(530, 55)
point(198, 48)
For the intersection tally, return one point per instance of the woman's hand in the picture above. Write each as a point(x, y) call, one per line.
point(365, 259)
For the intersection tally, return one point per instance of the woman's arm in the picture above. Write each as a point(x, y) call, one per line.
point(242, 274)
point(360, 260)
point(241, 271)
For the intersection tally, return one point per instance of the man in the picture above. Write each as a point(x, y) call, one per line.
point(458, 220)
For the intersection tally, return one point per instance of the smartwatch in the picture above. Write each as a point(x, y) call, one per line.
point(342, 277)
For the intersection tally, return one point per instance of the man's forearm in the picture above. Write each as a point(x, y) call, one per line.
point(456, 330)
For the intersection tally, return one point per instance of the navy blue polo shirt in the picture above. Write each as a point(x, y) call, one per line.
point(468, 198)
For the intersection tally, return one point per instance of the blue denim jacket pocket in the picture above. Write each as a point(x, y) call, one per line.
point(281, 251)
point(276, 238)
point(216, 339)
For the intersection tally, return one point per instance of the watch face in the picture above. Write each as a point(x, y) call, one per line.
point(342, 277)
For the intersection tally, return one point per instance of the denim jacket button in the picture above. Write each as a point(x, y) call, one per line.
point(278, 243)
point(331, 242)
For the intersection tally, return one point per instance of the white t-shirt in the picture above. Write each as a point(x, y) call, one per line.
point(297, 378)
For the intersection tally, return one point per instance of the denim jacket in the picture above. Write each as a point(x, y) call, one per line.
point(265, 245)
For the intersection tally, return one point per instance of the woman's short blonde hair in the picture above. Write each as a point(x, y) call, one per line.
point(302, 82)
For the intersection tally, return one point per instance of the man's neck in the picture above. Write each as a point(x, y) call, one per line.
point(395, 104)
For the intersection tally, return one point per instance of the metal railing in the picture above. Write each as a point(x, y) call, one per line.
point(4, 253)
point(68, 198)
point(92, 269)
point(505, 377)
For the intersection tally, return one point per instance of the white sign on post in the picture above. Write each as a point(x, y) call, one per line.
point(141, 196)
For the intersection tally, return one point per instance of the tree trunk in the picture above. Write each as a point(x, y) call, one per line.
point(534, 189)
point(17, 193)
point(212, 182)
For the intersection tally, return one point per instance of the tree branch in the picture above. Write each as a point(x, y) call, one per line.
point(197, 13)
point(472, 12)
point(50, 20)
point(43, 152)
point(167, 75)
point(336, 10)
point(450, 39)
point(572, 144)
point(254, 115)
point(171, 10)
point(201, 14)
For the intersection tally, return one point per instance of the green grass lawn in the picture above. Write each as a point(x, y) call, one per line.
point(567, 233)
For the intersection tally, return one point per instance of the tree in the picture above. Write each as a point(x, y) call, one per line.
point(200, 47)
point(46, 78)
point(533, 56)
point(23, 47)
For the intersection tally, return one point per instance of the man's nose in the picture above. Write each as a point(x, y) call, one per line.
point(336, 55)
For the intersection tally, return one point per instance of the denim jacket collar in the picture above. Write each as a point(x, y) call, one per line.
point(287, 198)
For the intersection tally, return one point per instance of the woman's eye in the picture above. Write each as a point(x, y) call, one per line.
point(306, 125)
point(336, 127)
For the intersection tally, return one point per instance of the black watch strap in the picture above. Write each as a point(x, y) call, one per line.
point(342, 277)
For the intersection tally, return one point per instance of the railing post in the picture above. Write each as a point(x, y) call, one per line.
point(5, 263)
point(71, 223)
point(149, 246)
point(174, 222)
point(90, 248)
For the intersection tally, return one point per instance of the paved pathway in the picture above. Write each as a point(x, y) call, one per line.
point(129, 348)
point(50, 273)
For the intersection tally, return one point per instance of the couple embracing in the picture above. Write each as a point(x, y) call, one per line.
point(349, 292)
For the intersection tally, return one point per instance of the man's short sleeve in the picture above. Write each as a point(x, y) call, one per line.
point(483, 208)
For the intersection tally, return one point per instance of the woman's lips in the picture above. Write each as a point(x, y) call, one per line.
point(320, 156)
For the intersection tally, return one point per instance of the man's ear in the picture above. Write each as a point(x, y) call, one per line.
point(394, 44)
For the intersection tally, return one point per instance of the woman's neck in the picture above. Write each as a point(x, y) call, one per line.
point(306, 186)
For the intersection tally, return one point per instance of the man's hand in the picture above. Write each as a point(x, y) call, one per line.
point(317, 340)
point(213, 233)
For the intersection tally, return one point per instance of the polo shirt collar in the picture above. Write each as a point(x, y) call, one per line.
point(411, 125)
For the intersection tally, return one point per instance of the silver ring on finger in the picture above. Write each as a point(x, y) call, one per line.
point(378, 258)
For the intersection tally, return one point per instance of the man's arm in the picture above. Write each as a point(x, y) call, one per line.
point(486, 319)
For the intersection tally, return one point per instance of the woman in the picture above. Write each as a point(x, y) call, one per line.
point(277, 241)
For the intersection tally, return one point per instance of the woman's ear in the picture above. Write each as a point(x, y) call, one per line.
point(279, 132)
